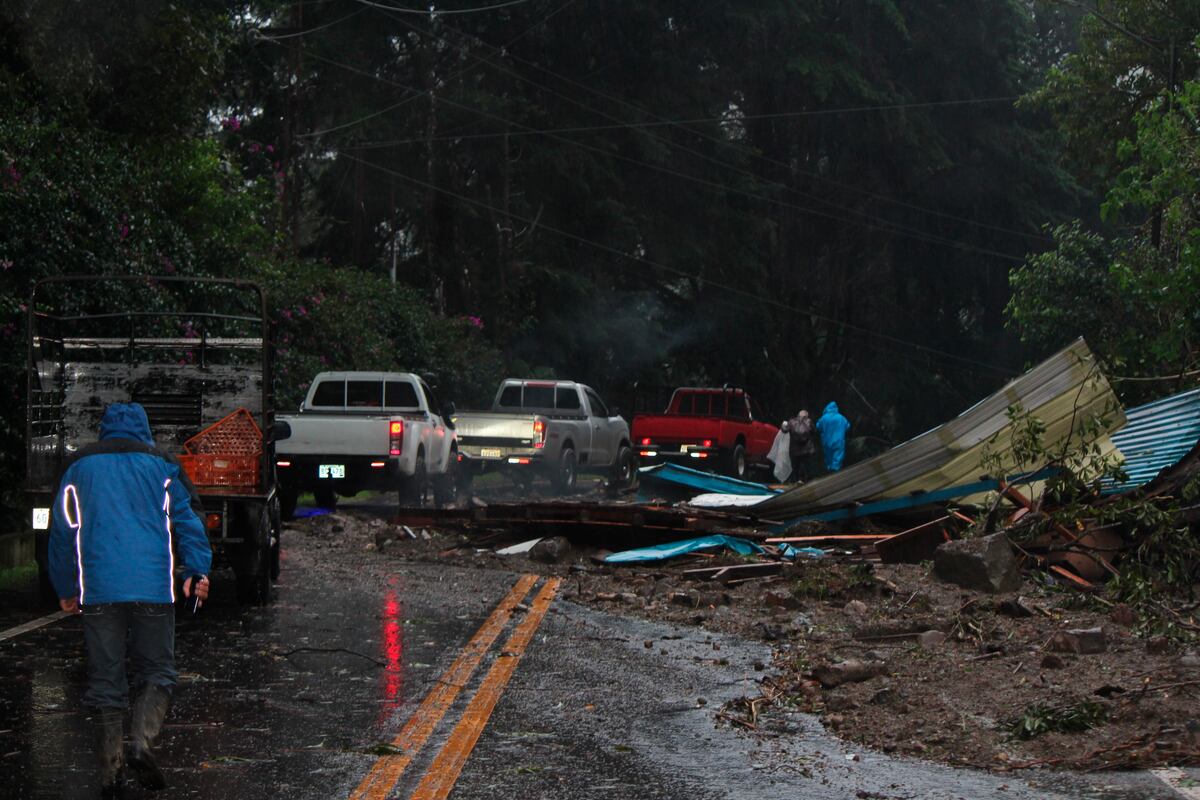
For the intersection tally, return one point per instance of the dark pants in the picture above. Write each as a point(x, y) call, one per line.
point(150, 631)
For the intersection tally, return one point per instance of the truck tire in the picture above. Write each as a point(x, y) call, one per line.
point(567, 471)
point(287, 501)
point(325, 497)
point(624, 470)
point(46, 593)
point(445, 486)
point(413, 489)
point(735, 466)
point(252, 565)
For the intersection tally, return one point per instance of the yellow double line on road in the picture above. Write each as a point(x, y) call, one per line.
point(448, 764)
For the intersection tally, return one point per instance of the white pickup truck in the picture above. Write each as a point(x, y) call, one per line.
point(368, 430)
point(556, 427)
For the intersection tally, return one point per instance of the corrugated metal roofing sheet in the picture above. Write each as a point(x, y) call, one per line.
point(695, 481)
point(1157, 436)
point(1063, 391)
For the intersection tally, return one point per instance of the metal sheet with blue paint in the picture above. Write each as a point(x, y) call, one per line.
point(702, 482)
point(1156, 436)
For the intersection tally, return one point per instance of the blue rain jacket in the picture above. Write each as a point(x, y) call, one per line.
point(122, 517)
point(832, 427)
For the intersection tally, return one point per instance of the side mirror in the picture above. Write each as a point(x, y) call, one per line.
point(615, 411)
point(280, 430)
point(448, 409)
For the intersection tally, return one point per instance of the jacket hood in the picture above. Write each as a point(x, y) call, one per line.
point(831, 408)
point(126, 421)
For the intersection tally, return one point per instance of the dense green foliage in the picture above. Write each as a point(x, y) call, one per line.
point(1128, 103)
point(818, 200)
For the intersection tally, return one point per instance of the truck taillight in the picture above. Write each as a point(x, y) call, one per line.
point(708, 442)
point(395, 437)
point(539, 433)
point(645, 440)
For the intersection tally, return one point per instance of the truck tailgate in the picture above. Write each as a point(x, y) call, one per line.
point(674, 427)
point(335, 434)
point(485, 429)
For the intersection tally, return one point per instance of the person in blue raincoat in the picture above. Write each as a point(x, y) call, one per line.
point(832, 427)
point(124, 518)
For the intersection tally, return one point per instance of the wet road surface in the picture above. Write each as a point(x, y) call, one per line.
point(371, 678)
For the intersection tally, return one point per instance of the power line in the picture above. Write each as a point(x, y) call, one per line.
point(844, 326)
point(750, 151)
point(665, 123)
point(742, 148)
point(878, 224)
point(431, 12)
point(278, 37)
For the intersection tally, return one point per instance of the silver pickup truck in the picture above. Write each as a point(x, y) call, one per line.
point(368, 430)
point(557, 428)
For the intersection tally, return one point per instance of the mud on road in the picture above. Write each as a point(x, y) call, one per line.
point(961, 677)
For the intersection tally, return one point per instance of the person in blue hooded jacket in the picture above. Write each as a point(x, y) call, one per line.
point(832, 427)
point(123, 521)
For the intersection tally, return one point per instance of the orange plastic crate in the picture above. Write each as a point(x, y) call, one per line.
point(235, 435)
point(208, 469)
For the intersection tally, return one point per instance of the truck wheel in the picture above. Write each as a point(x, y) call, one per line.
point(252, 568)
point(287, 501)
point(445, 486)
point(46, 593)
point(463, 476)
point(736, 465)
point(414, 489)
point(565, 476)
point(326, 497)
point(624, 472)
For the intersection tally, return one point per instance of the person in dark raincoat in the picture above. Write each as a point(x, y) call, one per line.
point(832, 427)
point(802, 447)
point(124, 518)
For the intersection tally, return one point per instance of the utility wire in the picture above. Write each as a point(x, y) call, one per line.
point(881, 224)
point(742, 148)
point(766, 159)
point(279, 37)
point(843, 326)
point(431, 12)
point(666, 123)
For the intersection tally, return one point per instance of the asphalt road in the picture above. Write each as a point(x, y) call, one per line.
point(371, 678)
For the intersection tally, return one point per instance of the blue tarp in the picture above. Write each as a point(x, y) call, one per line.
point(305, 513)
point(661, 552)
point(702, 482)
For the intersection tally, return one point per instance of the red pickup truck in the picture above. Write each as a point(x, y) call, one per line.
point(707, 428)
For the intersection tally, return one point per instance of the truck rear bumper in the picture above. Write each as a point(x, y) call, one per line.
point(473, 459)
point(699, 457)
point(344, 474)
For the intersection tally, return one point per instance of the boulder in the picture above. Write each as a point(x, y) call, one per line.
point(551, 550)
point(986, 564)
point(931, 640)
point(1079, 640)
point(831, 675)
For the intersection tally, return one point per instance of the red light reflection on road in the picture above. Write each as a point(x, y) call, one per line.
point(393, 657)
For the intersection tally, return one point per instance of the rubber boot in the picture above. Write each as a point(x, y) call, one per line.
point(109, 731)
point(149, 711)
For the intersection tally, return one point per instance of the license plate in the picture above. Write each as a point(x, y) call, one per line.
point(331, 471)
point(491, 452)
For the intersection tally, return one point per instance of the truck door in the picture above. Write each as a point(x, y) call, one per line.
point(604, 449)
